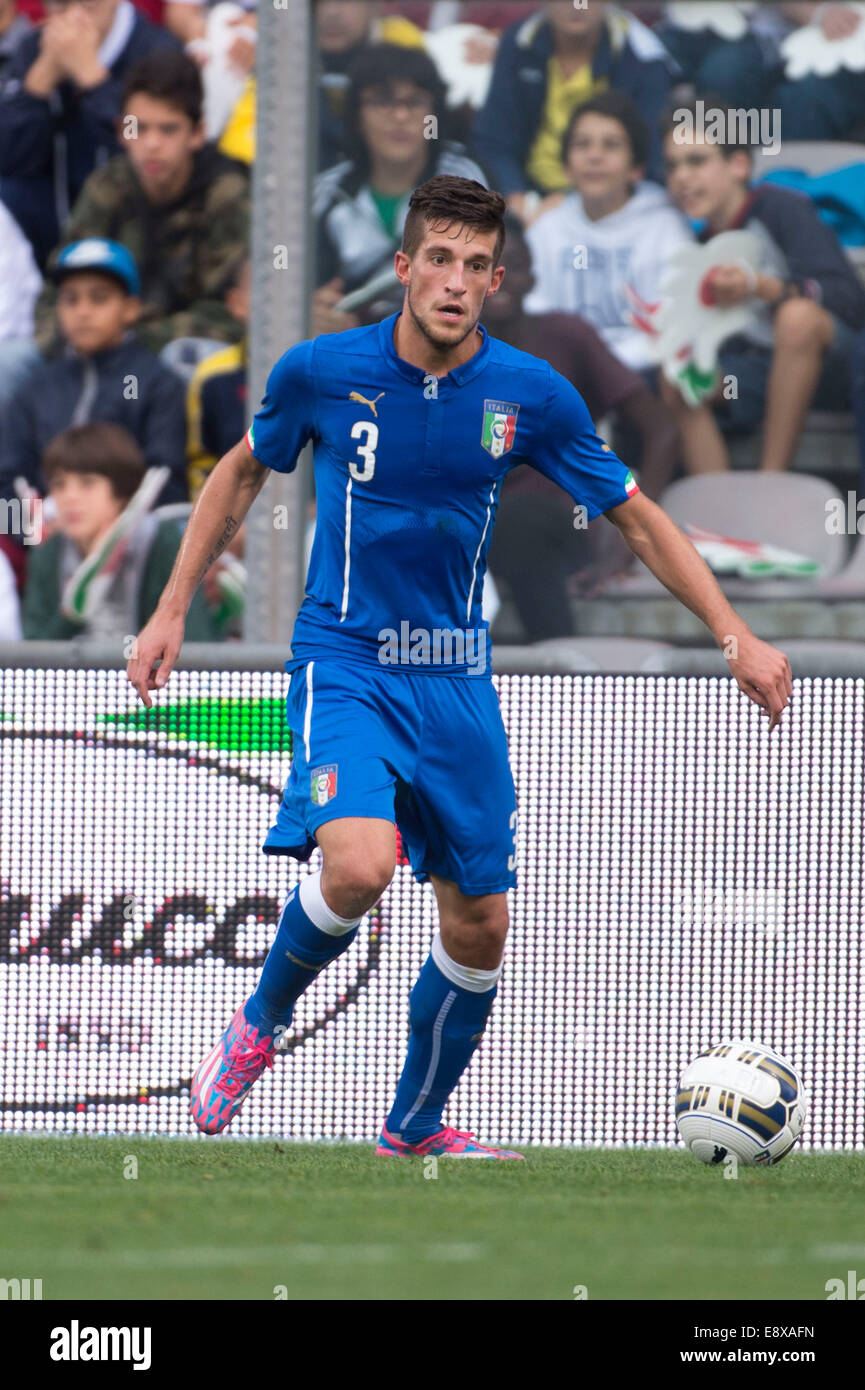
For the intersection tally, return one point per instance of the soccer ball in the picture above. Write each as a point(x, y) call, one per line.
point(740, 1098)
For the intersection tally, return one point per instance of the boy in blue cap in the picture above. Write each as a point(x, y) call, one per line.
point(103, 373)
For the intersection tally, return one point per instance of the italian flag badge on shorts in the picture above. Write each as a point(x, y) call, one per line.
point(322, 784)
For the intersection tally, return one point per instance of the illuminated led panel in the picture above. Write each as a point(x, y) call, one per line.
point(683, 877)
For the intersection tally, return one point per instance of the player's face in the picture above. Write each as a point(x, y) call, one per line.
point(702, 183)
point(600, 164)
point(93, 311)
point(448, 280)
point(86, 506)
point(392, 118)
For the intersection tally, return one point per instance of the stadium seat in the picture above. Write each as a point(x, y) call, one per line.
point(585, 655)
point(813, 156)
point(784, 510)
point(850, 582)
point(776, 508)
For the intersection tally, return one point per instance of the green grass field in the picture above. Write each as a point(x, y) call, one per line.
point(236, 1220)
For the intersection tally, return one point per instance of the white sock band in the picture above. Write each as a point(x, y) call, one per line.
point(465, 976)
point(313, 903)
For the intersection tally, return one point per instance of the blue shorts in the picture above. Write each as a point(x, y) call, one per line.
point(428, 752)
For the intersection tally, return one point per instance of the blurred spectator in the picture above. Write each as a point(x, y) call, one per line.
point(723, 55)
point(818, 107)
point(222, 37)
point(175, 202)
point(93, 471)
point(492, 16)
point(395, 102)
point(535, 546)
point(613, 230)
point(545, 67)
point(343, 28)
point(807, 299)
point(151, 9)
point(59, 106)
point(216, 420)
point(187, 19)
point(20, 282)
point(13, 27)
point(216, 395)
point(104, 374)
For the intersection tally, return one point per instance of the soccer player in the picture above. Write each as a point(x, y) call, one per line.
point(415, 422)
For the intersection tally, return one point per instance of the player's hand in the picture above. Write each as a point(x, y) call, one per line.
point(160, 640)
point(727, 285)
point(762, 673)
point(324, 318)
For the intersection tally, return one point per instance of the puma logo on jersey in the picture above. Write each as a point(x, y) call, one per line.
point(356, 396)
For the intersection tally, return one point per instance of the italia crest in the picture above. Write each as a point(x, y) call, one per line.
point(322, 784)
point(500, 426)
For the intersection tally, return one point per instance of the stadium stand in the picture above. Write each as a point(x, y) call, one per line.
point(637, 49)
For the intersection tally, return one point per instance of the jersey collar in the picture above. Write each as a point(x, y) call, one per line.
point(459, 375)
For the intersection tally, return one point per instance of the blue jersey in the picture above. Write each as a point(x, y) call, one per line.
point(408, 471)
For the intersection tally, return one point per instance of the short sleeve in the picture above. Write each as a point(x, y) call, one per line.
point(285, 420)
point(570, 452)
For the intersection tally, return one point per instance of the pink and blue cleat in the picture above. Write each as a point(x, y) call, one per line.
point(221, 1084)
point(447, 1143)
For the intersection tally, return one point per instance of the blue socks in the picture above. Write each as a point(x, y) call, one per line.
point(449, 1008)
point(308, 938)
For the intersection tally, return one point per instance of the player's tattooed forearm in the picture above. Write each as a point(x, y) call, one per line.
point(228, 531)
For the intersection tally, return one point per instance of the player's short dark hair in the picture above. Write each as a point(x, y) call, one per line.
point(97, 447)
point(381, 65)
point(679, 112)
point(448, 199)
point(618, 107)
point(169, 76)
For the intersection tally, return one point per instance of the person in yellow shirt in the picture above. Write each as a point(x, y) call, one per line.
point(343, 28)
point(548, 65)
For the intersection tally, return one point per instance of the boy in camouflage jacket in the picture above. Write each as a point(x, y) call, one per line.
point(180, 207)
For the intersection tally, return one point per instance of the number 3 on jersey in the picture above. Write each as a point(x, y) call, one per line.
point(363, 472)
